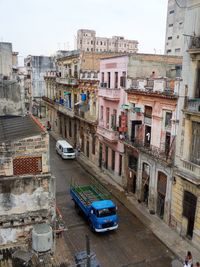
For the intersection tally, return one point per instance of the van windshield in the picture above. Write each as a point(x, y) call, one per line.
point(68, 150)
point(106, 212)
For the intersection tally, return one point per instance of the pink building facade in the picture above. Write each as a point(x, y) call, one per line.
point(112, 123)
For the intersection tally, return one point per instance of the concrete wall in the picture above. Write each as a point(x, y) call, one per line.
point(5, 59)
point(39, 65)
point(175, 28)
point(31, 146)
point(11, 98)
point(142, 65)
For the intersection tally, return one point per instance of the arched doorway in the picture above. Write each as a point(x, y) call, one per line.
point(161, 193)
point(145, 182)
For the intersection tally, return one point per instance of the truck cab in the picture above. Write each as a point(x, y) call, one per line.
point(103, 216)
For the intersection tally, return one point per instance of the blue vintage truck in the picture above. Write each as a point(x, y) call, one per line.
point(95, 204)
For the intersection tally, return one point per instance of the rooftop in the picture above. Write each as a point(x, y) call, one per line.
point(15, 127)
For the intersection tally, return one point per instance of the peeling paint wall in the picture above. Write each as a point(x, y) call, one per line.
point(11, 98)
point(24, 199)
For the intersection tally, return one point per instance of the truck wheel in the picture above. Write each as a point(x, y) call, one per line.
point(91, 227)
point(78, 211)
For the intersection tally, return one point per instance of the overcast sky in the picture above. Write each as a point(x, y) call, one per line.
point(40, 27)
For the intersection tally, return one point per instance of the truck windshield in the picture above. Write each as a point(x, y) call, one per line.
point(106, 212)
point(68, 150)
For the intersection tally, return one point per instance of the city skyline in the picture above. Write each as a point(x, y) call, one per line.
point(42, 28)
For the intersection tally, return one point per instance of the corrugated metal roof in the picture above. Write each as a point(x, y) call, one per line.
point(12, 128)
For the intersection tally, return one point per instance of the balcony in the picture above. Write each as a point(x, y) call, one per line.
point(193, 105)
point(65, 110)
point(48, 100)
point(190, 170)
point(156, 152)
point(67, 81)
point(85, 116)
point(110, 94)
point(194, 46)
point(110, 135)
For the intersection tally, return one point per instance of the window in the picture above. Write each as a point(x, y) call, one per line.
point(116, 79)
point(168, 117)
point(177, 50)
point(169, 38)
point(108, 78)
point(177, 36)
point(114, 119)
point(170, 25)
point(102, 77)
point(171, 11)
point(123, 79)
point(169, 51)
point(195, 147)
point(148, 111)
point(107, 117)
point(91, 42)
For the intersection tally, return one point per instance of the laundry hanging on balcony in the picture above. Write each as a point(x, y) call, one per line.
point(83, 97)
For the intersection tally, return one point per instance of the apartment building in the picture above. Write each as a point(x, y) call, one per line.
point(137, 125)
point(36, 67)
point(87, 41)
point(185, 214)
point(71, 99)
point(174, 38)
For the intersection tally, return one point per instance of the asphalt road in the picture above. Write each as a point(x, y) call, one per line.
point(132, 244)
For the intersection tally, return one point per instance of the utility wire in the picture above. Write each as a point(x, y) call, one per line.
point(179, 4)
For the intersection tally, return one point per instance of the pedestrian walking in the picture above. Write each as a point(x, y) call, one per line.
point(186, 263)
point(197, 264)
point(189, 258)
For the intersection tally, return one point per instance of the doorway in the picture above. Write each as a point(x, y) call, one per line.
point(106, 159)
point(147, 136)
point(100, 155)
point(161, 193)
point(87, 149)
point(189, 210)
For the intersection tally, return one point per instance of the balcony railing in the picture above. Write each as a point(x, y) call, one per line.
point(190, 167)
point(65, 110)
point(45, 98)
point(111, 94)
point(193, 105)
point(112, 136)
point(154, 151)
point(67, 81)
point(194, 43)
point(87, 116)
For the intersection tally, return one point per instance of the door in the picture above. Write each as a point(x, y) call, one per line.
point(147, 136)
point(88, 149)
point(106, 159)
point(100, 155)
point(189, 210)
point(161, 192)
point(113, 160)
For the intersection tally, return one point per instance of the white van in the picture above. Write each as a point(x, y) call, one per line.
point(65, 150)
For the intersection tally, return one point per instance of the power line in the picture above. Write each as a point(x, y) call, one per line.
point(179, 4)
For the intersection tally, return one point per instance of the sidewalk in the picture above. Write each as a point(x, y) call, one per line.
point(178, 245)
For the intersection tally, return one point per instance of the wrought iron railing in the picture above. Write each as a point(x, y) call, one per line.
point(154, 151)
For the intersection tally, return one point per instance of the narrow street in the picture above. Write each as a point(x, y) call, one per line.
point(131, 245)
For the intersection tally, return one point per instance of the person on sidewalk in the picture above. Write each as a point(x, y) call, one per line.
point(189, 258)
point(197, 264)
point(186, 264)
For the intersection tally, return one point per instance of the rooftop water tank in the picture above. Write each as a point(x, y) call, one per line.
point(42, 238)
